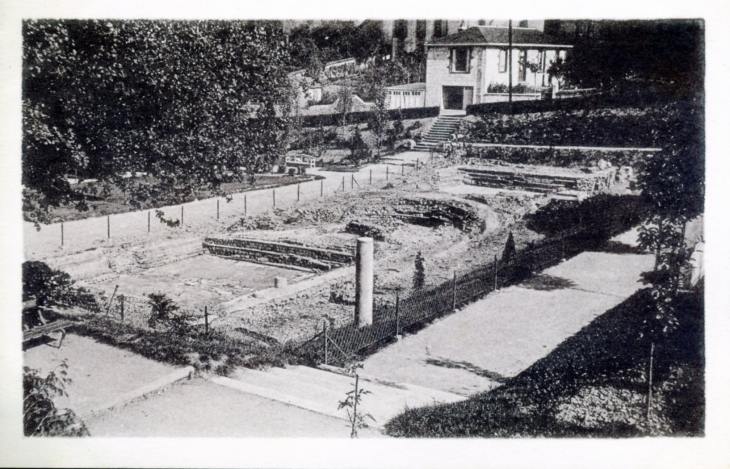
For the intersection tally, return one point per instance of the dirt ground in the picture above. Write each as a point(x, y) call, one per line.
point(454, 232)
point(200, 408)
point(200, 281)
point(100, 373)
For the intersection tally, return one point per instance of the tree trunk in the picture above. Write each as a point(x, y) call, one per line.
point(681, 256)
point(659, 244)
point(651, 378)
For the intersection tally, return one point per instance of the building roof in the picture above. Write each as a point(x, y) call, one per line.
point(407, 87)
point(498, 35)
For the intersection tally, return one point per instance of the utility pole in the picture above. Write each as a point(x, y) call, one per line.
point(509, 65)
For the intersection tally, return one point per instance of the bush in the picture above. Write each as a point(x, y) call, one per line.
point(365, 116)
point(40, 415)
point(554, 157)
point(601, 217)
point(50, 287)
point(215, 351)
point(626, 126)
point(419, 272)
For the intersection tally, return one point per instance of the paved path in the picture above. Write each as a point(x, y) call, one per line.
point(200, 216)
point(201, 408)
point(499, 336)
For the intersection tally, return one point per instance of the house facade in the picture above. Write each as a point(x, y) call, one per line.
point(473, 66)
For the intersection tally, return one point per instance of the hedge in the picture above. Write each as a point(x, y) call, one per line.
point(570, 104)
point(360, 117)
point(618, 126)
point(553, 157)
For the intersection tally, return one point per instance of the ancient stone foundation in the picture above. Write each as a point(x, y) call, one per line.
point(537, 179)
point(279, 254)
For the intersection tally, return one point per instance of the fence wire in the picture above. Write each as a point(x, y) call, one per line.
point(345, 342)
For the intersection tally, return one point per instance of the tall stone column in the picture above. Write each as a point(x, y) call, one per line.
point(364, 282)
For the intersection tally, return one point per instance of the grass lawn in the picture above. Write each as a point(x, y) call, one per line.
point(594, 384)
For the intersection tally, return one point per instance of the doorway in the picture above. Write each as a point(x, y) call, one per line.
point(457, 98)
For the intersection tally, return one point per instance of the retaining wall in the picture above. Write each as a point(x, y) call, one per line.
point(278, 253)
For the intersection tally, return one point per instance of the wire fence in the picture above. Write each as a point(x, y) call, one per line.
point(340, 345)
point(137, 311)
point(137, 227)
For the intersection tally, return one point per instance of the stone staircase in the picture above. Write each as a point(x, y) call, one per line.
point(321, 391)
point(439, 133)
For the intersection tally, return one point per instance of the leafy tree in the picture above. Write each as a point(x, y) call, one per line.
point(359, 151)
point(419, 273)
point(378, 122)
point(672, 183)
point(665, 55)
point(344, 102)
point(187, 102)
point(395, 131)
point(40, 415)
point(50, 287)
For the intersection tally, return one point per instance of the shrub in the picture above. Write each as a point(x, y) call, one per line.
point(215, 351)
point(50, 287)
point(510, 249)
point(40, 415)
point(419, 273)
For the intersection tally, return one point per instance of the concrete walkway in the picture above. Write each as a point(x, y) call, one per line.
point(499, 336)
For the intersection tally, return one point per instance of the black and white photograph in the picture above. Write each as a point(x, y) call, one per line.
point(371, 232)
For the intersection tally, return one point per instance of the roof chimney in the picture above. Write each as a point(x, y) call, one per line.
point(462, 26)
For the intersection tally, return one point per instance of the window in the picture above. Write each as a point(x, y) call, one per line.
point(502, 60)
point(460, 60)
point(523, 68)
point(439, 28)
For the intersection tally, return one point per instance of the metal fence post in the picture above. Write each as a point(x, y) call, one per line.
point(321, 187)
point(417, 164)
point(496, 263)
point(298, 192)
point(343, 183)
point(352, 181)
point(121, 302)
point(61, 234)
point(453, 293)
point(245, 205)
point(402, 169)
point(273, 196)
point(206, 319)
point(324, 335)
point(397, 314)
point(218, 209)
point(148, 221)
point(108, 228)
point(182, 215)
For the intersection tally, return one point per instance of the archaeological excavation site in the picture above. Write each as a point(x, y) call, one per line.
point(278, 276)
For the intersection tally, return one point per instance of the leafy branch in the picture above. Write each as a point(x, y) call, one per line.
point(352, 400)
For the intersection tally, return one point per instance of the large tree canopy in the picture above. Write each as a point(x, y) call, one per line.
point(186, 102)
point(667, 55)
